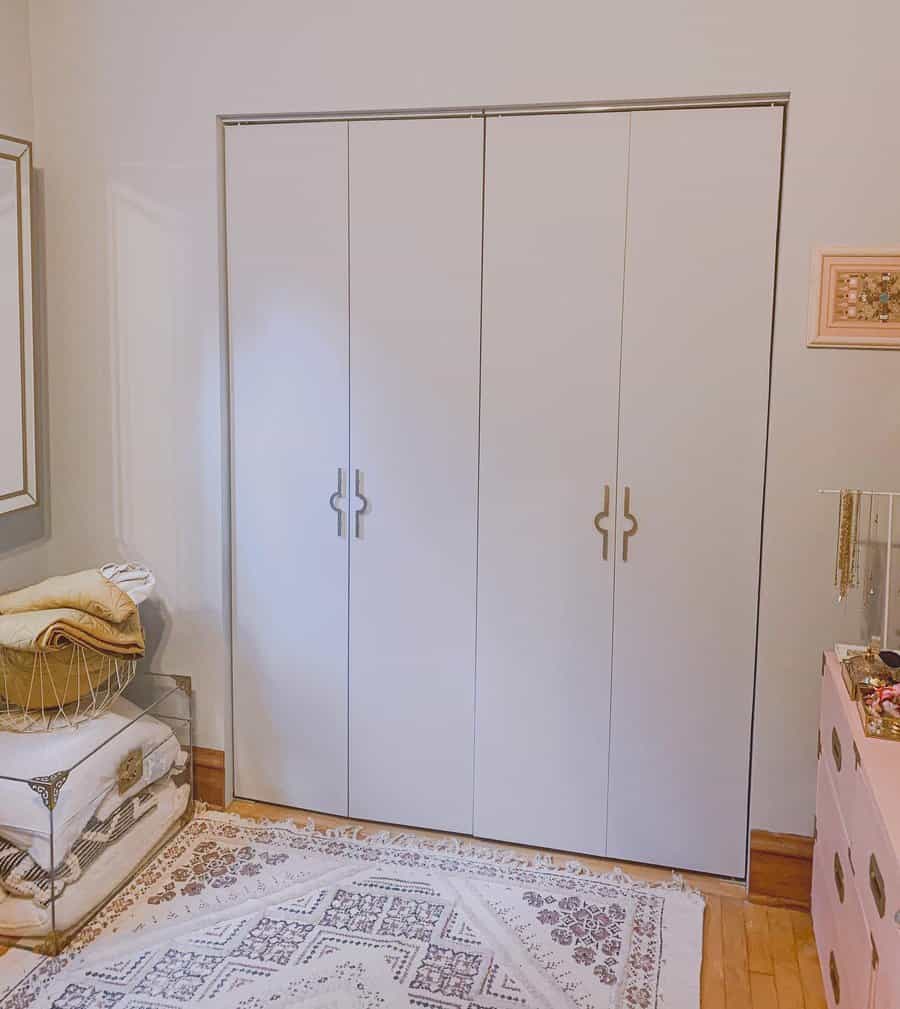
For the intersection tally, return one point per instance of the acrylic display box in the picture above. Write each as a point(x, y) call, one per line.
point(83, 808)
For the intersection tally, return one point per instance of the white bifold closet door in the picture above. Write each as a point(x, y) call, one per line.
point(415, 289)
point(555, 188)
point(287, 266)
point(699, 273)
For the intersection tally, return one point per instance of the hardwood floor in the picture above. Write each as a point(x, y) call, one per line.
point(754, 957)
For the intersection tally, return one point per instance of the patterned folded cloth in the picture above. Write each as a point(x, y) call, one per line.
point(21, 876)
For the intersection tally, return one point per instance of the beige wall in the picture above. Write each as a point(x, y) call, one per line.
point(16, 109)
point(126, 96)
point(22, 554)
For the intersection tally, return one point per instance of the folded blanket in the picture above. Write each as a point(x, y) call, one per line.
point(93, 752)
point(21, 916)
point(50, 630)
point(66, 638)
point(87, 591)
point(21, 876)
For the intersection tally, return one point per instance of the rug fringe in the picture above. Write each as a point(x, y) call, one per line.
point(461, 848)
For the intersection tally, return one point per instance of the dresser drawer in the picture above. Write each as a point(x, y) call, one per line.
point(844, 975)
point(833, 836)
point(887, 985)
point(877, 876)
point(839, 753)
point(846, 952)
point(825, 929)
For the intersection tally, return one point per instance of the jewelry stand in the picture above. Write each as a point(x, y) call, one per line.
point(890, 495)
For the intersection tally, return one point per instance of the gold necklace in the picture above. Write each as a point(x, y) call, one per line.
point(846, 565)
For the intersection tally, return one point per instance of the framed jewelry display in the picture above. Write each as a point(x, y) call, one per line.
point(855, 299)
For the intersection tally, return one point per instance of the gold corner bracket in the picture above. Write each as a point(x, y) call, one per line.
point(48, 787)
point(183, 683)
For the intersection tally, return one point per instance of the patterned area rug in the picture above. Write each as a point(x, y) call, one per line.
point(246, 914)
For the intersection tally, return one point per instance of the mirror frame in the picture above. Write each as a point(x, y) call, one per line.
point(19, 151)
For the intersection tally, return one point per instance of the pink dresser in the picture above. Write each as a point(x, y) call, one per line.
point(856, 866)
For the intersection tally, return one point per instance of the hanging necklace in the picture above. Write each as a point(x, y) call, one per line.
point(846, 569)
point(871, 536)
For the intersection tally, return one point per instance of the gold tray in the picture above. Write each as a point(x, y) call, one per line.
point(878, 726)
point(863, 673)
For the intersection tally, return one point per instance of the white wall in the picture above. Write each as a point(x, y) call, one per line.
point(22, 552)
point(126, 96)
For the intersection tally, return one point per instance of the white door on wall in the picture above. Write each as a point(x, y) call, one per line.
point(415, 282)
point(287, 265)
point(555, 189)
point(699, 273)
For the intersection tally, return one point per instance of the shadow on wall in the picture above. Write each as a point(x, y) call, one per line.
point(157, 621)
point(24, 534)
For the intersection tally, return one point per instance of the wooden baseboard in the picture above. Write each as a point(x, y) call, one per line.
point(780, 869)
point(209, 775)
point(780, 864)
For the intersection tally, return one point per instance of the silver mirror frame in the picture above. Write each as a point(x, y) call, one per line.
point(26, 496)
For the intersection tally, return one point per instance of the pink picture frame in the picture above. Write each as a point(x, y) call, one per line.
point(855, 299)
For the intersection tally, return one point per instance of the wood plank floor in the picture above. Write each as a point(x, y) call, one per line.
point(754, 957)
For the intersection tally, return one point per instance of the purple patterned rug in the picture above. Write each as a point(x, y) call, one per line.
point(245, 914)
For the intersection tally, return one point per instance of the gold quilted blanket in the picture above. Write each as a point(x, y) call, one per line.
point(51, 630)
point(63, 639)
point(87, 591)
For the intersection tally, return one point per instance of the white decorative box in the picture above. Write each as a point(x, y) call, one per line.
point(82, 808)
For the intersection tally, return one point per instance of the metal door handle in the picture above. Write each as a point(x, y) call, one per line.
point(362, 497)
point(626, 514)
point(599, 517)
point(333, 501)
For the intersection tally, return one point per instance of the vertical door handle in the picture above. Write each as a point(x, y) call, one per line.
point(628, 533)
point(599, 517)
point(333, 501)
point(362, 497)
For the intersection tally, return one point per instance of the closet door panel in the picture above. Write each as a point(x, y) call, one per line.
point(553, 259)
point(287, 264)
point(703, 197)
point(415, 277)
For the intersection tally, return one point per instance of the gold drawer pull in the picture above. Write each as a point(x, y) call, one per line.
point(839, 877)
point(835, 979)
point(876, 884)
point(836, 749)
point(857, 759)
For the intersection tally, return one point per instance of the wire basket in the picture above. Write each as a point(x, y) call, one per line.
point(42, 691)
